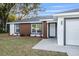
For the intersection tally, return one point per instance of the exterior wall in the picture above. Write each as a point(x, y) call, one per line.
point(12, 29)
point(25, 29)
point(44, 24)
point(60, 30)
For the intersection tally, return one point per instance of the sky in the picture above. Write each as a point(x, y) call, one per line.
point(53, 8)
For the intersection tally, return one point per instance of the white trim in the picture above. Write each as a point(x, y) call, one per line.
point(46, 19)
point(60, 31)
point(51, 21)
point(12, 29)
point(35, 35)
point(15, 28)
point(47, 30)
point(23, 22)
point(67, 14)
point(31, 29)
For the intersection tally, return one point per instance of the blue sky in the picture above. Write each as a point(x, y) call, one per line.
point(52, 8)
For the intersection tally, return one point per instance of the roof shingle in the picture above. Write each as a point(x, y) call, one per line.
point(38, 18)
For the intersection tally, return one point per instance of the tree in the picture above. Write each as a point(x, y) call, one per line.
point(4, 12)
point(5, 9)
point(11, 18)
point(26, 8)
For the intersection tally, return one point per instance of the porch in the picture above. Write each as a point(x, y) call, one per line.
point(51, 45)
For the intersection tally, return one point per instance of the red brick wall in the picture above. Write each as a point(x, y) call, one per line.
point(25, 29)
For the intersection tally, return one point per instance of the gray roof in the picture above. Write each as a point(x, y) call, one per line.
point(35, 18)
point(72, 10)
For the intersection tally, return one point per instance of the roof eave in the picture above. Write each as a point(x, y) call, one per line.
point(67, 14)
point(23, 22)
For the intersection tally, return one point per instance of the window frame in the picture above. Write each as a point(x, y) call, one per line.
point(36, 28)
point(16, 28)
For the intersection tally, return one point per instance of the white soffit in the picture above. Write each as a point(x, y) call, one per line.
point(67, 14)
point(24, 22)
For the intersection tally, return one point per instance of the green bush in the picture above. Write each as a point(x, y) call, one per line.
point(1, 31)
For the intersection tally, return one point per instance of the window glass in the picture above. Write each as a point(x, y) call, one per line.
point(39, 28)
point(17, 29)
point(17, 26)
point(33, 28)
point(36, 28)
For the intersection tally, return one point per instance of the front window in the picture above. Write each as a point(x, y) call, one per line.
point(17, 29)
point(39, 28)
point(36, 28)
point(33, 28)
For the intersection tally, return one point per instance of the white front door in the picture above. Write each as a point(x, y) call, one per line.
point(72, 31)
point(52, 30)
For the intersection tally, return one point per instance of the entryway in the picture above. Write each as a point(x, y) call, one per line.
point(52, 30)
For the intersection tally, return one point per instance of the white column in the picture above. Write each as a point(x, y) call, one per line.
point(12, 29)
point(60, 31)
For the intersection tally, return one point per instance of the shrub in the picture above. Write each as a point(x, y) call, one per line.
point(1, 31)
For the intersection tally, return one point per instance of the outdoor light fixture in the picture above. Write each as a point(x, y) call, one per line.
point(61, 22)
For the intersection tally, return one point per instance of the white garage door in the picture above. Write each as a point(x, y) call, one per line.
point(72, 31)
point(52, 30)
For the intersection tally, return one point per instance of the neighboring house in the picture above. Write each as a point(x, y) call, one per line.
point(40, 26)
point(65, 28)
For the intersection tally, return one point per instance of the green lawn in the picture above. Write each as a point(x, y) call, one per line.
point(22, 46)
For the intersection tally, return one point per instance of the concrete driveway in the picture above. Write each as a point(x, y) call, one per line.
point(51, 45)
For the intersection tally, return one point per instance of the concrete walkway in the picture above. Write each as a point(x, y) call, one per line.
point(51, 45)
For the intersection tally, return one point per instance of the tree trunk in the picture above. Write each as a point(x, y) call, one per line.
point(3, 23)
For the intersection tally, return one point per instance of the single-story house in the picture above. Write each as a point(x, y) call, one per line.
point(40, 26)
point(65, 28)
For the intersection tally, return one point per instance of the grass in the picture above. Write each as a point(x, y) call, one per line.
point(22, 46)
